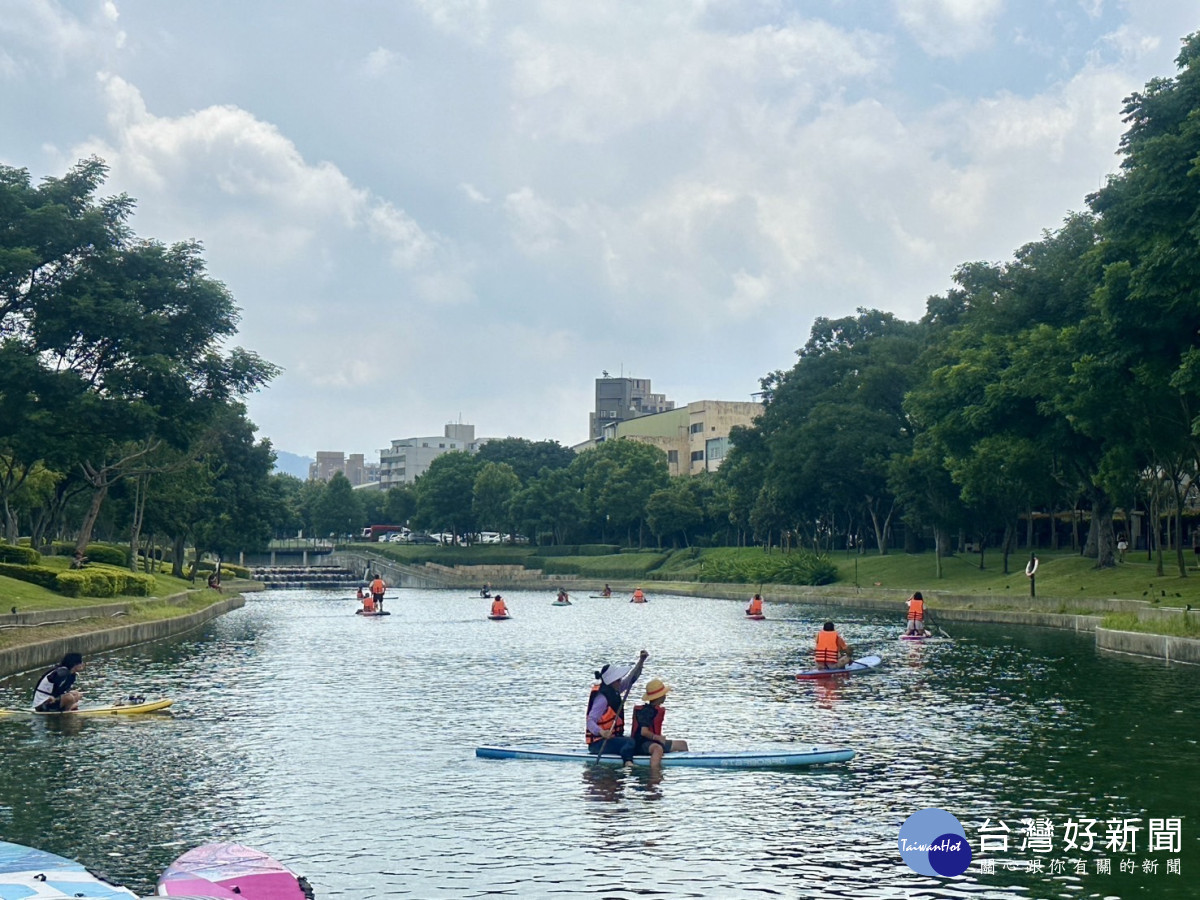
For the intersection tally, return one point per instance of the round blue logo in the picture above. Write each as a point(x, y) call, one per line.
point(933, 843)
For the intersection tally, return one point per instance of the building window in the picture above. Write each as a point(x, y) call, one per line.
point(697, 456)
point(673, 457)
point(697, 428)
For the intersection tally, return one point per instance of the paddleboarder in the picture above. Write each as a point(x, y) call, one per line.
point(916, 614)
point(755, 607)
point(638, 596)
point(498, 607)
point(377, 589)
point(54, 691)
point(563, 596)
point(832, 652)
point(605, 734)
point(647, 725)
point(607, 592)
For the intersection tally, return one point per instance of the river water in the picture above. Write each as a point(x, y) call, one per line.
point(344, 747)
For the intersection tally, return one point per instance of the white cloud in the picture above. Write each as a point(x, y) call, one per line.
point(272, 203)
point(949, 28)
point(379, 62)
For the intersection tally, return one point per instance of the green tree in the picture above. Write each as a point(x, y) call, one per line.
point(619, 477)
point(495, 486)
point(446, 494)
point(526, 458)
point(338, 511)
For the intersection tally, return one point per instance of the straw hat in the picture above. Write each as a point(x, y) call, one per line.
point(654, 690)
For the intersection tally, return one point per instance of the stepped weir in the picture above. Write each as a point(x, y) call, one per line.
point(305, 577)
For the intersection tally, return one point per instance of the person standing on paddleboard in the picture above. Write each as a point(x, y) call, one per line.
point(832, 652)
point(53, 692)
point(647, 725)
point(605, 732)
point(377, 589)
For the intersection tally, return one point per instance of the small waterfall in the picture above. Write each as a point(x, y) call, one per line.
point(305, 577)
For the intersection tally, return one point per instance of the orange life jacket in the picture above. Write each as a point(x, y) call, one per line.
point(755, 607)
point(368, 603)
point(639, 597)
point(828, 645)
point(377, 586)
point(610, 719)
point(916, 609)
point(498, 608)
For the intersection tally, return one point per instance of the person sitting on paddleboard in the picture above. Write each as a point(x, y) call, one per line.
point(647, 725)
point(368, 602)
point(638, 596)
point(563, 597)
point(377, 589)
point(498, 607)
point(916, 614)
point(607, 592)
point(53, 692)
point(605, 733)
point(832, 652)
point(755, 607)
point(485, 591)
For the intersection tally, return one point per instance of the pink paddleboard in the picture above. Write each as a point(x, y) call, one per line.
point(231, 870)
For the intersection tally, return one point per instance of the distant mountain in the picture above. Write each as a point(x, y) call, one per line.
point(293, 464)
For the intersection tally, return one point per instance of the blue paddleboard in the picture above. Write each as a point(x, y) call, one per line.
point(737, 759)
point(26, 874)
point(866, 664)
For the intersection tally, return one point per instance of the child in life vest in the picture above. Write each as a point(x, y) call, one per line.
point(498, 607)
point(647, 725)
point(755, 607)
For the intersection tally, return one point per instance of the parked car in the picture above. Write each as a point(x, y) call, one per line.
point(422, 539)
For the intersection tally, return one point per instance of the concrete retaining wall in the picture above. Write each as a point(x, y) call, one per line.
point(45, 653)
point(1160, 646)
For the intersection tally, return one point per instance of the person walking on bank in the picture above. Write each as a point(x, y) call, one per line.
point(377, 589)
point(647, 730)
point(605, 731)
point(54, 691)
point(832, 652)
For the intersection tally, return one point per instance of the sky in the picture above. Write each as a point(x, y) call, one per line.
point(435, 211)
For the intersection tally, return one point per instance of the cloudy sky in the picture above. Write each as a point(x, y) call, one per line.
point(466, 210)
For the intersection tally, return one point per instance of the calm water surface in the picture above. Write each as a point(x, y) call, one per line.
point(344, 747)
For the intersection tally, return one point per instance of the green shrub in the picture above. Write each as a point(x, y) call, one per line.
point(104, 581)
point(579, 550)
point(235, 571)
point(39, 575)
point(22, 556)
point(109, 554)
point(797, 567)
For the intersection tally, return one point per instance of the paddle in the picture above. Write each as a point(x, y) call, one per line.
point(632, 671)
point(935, 625)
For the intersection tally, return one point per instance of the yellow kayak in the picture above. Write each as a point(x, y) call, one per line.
point(115, 709)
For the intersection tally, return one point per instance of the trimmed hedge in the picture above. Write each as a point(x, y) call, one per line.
point(39, 575)
point(579, 550)
point(796, 567)
point(108, 554)
point(22, 556)
point(104, 581)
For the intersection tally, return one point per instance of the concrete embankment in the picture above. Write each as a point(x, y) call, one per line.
point(44, 653)
point(1041, 612)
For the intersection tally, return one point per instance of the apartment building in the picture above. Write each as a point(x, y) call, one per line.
point(355, 467)
point(694, 437)
point(408, 458)
point(622, 399)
